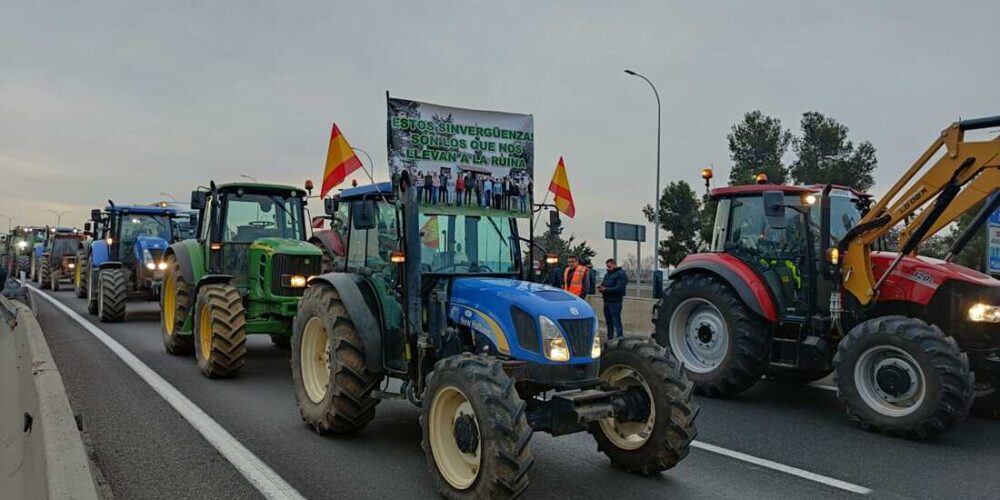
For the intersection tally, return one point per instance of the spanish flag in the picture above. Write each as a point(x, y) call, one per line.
point(429, 233)
point(560, 188)
point(340, 162)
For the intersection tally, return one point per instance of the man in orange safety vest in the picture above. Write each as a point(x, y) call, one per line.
point(576, 277)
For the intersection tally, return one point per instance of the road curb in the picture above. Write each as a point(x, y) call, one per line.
point(56, 460)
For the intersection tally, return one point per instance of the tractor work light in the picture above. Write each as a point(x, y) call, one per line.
point(553, 341)
point(109, 241)
point(706, 173)
point(982, 313)
point(760, 178)
point(833, 256)
point(215, 246)
point(551, 259)
point(808, 199)
point(397, 257)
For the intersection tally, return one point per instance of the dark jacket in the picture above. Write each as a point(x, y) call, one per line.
point(614, 285)
point(555, 277)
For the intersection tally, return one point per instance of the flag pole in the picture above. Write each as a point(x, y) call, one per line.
point(542, 206)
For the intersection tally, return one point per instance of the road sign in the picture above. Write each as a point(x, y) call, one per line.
point(623, 231)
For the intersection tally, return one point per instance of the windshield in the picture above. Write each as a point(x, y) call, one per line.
point(466, 244)
point(253, 216)
point(136, 225)
point(844, 214)
point(65, 246)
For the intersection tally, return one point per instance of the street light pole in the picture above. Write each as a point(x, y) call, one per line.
point(656, 199)
point(10, 221)
point(59, 215)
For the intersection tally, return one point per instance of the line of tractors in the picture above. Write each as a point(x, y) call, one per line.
point(791, 289)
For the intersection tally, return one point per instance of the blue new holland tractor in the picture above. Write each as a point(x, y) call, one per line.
point(125, 259)
point(432, 299)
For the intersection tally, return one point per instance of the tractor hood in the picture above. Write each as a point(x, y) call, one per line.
point(917, 279)
point(284, 246)
point(507, 312)
point(150, 243)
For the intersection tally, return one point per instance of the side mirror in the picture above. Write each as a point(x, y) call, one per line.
point(198, 200)
point(95, 214)
point(774, 209)
point(330, 206)
point(363, 213)
point(86, 227)
point(554, 220)
point(193, 219)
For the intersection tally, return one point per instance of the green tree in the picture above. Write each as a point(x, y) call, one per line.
point(553, 242)
point(973, 255)
point(826, 156)
point(757, 145)
point(681, 220)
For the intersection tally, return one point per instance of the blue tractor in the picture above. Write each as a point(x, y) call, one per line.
point(125, 259)
point(432, 298)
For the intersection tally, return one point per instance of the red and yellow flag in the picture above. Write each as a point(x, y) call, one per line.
point(340, 161)
point(429, 233)
point(560, 188)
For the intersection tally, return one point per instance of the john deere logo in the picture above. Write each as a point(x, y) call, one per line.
point(574, 311)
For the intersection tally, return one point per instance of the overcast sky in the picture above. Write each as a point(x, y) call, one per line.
point(128, 99)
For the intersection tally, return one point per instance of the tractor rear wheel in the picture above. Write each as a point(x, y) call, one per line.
point(175, 305)
point(723, 345)
point(23, 264)
point(333, 384)
point(475, 432)
point(220, 330)
point(81, 274)
point(43, 273)
point(112, 294)
point(662, 438)
point(903, 377)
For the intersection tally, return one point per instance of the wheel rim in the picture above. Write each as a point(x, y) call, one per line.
point(628, 435)
point(314, 356)
point(169, 301)
point(459, 468)
point(205, 332)
point(890, 381)
point(699, 335)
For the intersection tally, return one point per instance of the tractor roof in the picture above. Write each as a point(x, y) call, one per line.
point(257, 187)
point(141, 209)
point(756, 189)
point(65, 230)
point(379, 188)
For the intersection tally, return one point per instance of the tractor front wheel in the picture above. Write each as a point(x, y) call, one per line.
point(54, 277)
point(333, 384)
point(44, 272)
point(112, 294)
point(175, 305)
point(903, 377)
point(475, 431)
point(220, 330)
point(23, 264)
point(81, 274)
point(723, 345)
point(658, 432)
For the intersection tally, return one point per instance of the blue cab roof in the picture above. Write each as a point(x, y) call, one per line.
point(141, 209)
point(383, 188)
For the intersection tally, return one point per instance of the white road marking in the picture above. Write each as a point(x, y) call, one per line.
point(787, 469)
point(262, 477)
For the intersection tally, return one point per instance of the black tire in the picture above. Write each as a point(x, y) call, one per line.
point(749, 336)
point(80, 286)
point(949, 390)
point(44, 271)
point(673, 426)
point(347, 404)
point(988, 405)
point(797, 376)
point(113, 294)
point(222, 348)
point(93, 291)
point(174, 341)
point(23, 263)
point(33, 272)
point(54, 277)
point(502, 424)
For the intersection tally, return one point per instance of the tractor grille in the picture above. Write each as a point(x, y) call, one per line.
point(524, 326)
point(303, 265)
point(580, 333)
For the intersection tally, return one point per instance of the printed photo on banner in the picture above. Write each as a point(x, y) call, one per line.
point(462, 160)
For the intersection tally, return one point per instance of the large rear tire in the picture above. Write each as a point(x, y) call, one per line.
point(220, 330)
point(81, 273)
point(54, 277)
point(113, 294)
point(723, 345)
point(175, 306)
point(475, 431)
point(44, 272)
point(663, 438)
point(903, 377)
point(333, 384)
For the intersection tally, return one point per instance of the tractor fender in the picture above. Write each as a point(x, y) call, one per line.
point(750, 287)
point(211, 279)
point(189, 259)
point(98, 253)
point(348, 286)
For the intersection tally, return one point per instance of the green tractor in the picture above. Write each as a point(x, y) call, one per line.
point(243, 274)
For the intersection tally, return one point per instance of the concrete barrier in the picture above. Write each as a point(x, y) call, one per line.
point(41, 451)
point(637, 314)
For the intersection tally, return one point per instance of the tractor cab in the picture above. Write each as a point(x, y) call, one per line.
point(59, 254)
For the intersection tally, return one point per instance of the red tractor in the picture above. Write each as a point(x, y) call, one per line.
point(792, 288)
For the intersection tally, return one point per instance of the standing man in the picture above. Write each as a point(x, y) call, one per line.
point(576, 277)
point(487, 192)
point(418, 184)
point(460, 189)
point(435, 189)
point(613, 291)
point(452, 186)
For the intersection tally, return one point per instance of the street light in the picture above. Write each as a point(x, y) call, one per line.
point(59, 215)
point(656, 199)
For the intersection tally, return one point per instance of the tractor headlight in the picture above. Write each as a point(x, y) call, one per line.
point(147, 260)
point(22, 244)
point(595, 350)
point(71, 265)
point(162, 266)
point(294, 280)
point(984, 313)
point(554, 343)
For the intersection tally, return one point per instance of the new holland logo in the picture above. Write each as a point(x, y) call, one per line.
point(574, 311)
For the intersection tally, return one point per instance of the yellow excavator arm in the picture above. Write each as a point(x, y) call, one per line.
point(966, 173)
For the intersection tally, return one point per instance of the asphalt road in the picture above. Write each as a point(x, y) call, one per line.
point(142, 448)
